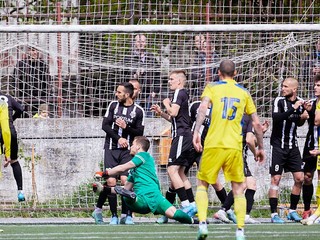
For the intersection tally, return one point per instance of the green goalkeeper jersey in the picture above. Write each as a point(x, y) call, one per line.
point(144, 178)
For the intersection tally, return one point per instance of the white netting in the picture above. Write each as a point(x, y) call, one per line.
point(76, 73)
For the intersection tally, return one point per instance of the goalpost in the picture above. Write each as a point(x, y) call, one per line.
point(83, 65)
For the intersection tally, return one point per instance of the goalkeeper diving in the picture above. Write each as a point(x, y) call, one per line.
point(147, 196)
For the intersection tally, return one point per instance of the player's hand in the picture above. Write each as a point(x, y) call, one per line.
point(260, 156)
point(297, 104)
point(307, 105)
point(304, 115)
point(7, 161)
point(155, 108)
point(265, 126)
point(314, 152)
point(123, 142)
point(121, 123)
point(197, 141)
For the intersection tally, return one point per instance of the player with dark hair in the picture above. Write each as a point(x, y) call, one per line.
point(223, 143)
point(314, 163)
point(288, 113)
point(15, 111)
point(311, 143)
point(143, 179)
point(177, 112)
point(123, 121)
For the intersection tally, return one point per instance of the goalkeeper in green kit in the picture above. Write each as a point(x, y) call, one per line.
point(147, 196)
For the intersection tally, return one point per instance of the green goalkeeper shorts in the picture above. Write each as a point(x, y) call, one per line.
point(156, 205)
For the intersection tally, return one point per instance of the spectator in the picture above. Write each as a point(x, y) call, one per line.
point(311, 67)
point(141, 65)
point(14, 111)
point(200, 58)
point(123, 121)
point(222, 146)
point(32, 74)
point(287, 114)
point(43, 112)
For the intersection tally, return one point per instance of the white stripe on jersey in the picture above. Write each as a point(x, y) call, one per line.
point(179, 147)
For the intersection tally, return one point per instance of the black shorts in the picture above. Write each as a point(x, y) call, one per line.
point(181, 147)
point(285, 159)
point(310, 162)
point(14, 144)
point(194, 157)
point(246, 170)
point(113, 158)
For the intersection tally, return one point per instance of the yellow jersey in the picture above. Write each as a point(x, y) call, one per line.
point(229, 101)
point(5, 129)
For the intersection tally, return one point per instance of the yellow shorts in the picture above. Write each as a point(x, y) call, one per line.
point(213, 159)
point(318, 162)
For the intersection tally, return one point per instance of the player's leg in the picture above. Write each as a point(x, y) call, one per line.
point(294, 165)
point(126, 213)
point(276, 169)
point(307, 186)
point(211, 163)
point(251, 188)
point(16, 168)
point(180, 146)
point(222, 195)
point(233, 171)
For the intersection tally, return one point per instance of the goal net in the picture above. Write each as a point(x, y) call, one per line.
point(74, 74)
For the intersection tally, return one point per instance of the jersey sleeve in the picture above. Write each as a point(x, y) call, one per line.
point(138, 160)
point(179, 97)
point(250, 107)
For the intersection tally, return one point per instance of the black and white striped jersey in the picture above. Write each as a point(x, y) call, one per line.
point(181, 124)
point(312, 135)
point(285, 122)
point(193, 111)
point(133, 116)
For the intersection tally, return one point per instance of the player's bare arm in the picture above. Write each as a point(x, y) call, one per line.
point(260, 154)
point(157, 109)
point(120, 168)
point(205, 103)
point(172, 109)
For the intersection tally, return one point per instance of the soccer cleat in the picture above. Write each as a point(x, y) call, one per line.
point(97, 217)
point(202, 232)
point(231, 216)
point(221, 215)
point(306, 214)
point(21, 197)
point(114, 221)
point(97, 187)
point(162, 220)
point(276, 219)
point(190, 210)
point(240, 234)
point(124, 192)
point(122, 220)
point(310, 220)
point(249, 220)
point(129, 220)
point(294, 216)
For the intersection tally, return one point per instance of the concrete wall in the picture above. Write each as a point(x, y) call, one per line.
point(67, 152)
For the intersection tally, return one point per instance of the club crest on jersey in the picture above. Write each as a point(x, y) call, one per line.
point(133, 114)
